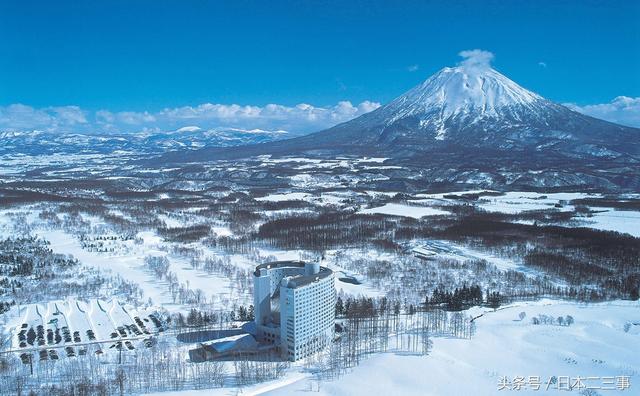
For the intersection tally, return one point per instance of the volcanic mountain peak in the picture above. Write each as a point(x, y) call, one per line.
point(477, 92)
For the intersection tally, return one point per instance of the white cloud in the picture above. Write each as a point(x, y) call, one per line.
point(542, 64)
point(189, 128)
point(124, 117)
point(69, 115)
point(63, 118)
point(104, 116)
point(413, 68)
point(476, 59)
point(133, 118)
point(300, 118)
point(621, 110)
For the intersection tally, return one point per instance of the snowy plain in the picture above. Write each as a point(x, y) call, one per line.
point(394, 209)
point(504, 347)
point(607, 219)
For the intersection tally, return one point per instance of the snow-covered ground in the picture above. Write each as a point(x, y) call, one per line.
point(512, 202)
point(130, 266)
point(449, 249)
point(596, 345)
point(128, 260)
point(626, 221)
point(335, 198)
point(518, 201)
point(395, 209)
point(284, 197)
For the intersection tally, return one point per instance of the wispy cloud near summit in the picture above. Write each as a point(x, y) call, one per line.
point(476, 59)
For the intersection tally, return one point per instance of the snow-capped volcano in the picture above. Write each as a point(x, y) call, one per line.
point(471, 124)
point(472, 93)
point(459, 90)
point(475, 106)
point(458, 100)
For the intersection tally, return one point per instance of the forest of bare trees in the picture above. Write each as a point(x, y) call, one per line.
point(160, 368)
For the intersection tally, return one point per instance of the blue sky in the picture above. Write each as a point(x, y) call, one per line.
point(145, 56)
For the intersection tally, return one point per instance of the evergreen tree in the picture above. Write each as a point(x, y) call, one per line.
point(251, 314)
point(242, 313)
point(339, 307)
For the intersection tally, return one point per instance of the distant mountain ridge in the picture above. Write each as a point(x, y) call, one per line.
point(187, 138)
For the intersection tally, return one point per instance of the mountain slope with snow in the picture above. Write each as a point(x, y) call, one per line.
point(479, 107)
point(461, 92)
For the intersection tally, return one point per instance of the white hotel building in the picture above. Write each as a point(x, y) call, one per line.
point(294, 305)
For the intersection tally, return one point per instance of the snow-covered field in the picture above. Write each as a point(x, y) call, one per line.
point(448, 249)
point(130, 266)
point(333, 198)
point(512, 202)
point(127, 261)
point(516, 202)
point(625, 221)
point(395, 209)
point(504, 348)
point(284, 197)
